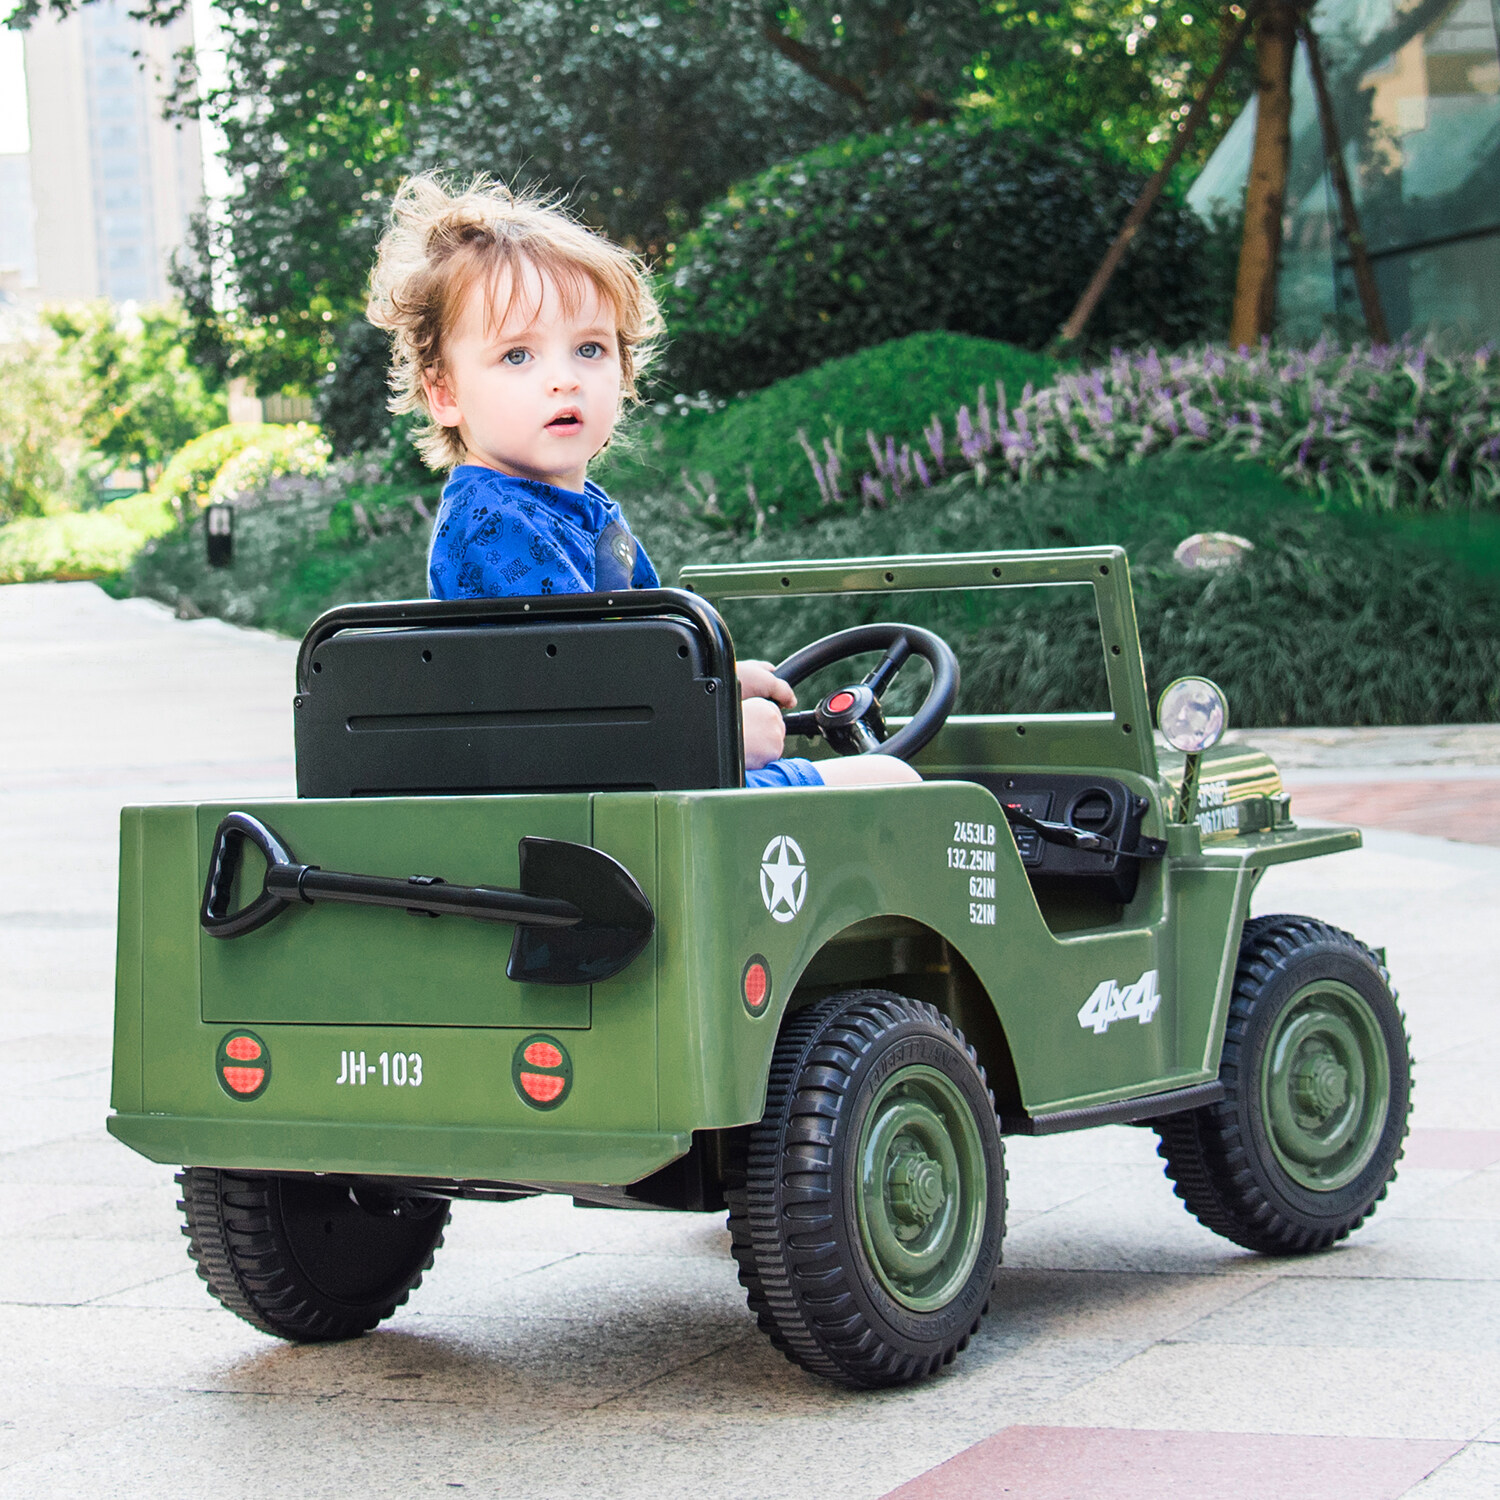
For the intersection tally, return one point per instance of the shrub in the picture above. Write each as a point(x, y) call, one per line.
point(42, 447)
point(302, 543)
point(184, 483)
point(751, 455)
point(1399, 427)
point(1336, 617)
point(274, 451)
point(968, 228)
point(82, 544)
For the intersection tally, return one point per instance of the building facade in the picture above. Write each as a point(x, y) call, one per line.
point(1416, 92)
point(113, 184)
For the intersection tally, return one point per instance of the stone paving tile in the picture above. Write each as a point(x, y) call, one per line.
point(560, 1352)
point(1474, 1197)
point(1464, 810)
point(38, 1420)
point(1473, 1474)
point(1346, 1391)
point(211, 1443)
point(1061, 1463)
point(1295, 1312)
point(70, 1272)
point(1467, 1150)
point(1411, 746)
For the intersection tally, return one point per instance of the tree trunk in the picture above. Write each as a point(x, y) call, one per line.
point(1254, 314)
point(1083, 309)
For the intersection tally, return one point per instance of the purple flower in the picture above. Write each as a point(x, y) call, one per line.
point(934, 436)
point(818, 471)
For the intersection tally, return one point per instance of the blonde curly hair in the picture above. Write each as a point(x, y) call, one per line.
point(442, 243)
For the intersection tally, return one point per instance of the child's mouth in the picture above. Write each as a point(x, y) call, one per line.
point(564, 421)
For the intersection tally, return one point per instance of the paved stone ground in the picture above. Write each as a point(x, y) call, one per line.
point(557, 1352)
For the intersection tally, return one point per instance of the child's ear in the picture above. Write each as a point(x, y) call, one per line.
point(440, 400)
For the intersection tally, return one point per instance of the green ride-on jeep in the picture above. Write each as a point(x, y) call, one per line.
point(649, 988)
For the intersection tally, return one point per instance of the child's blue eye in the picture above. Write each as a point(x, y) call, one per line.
point(515, 356)
point(591, 350)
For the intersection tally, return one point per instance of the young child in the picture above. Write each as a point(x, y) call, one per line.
point(519, 335)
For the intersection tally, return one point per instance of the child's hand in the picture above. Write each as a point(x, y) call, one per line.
point(757, 680)
point(765, 732)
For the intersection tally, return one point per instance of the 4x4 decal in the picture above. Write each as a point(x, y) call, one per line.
point(1110, 1002)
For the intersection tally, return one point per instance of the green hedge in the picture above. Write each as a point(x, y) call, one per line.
point(753, 444)
point(968, 228)
point(1337, 617)
point(301, 545)
point(82, 543)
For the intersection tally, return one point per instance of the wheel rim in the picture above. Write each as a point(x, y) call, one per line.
point(923, 1188)
point(1326, 1086)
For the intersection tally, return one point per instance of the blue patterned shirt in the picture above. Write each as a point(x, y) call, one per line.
point(497, 536)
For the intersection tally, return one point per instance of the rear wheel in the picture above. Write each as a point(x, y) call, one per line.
point(305, 1258)
point(868, 1219)
point(1317, 1072)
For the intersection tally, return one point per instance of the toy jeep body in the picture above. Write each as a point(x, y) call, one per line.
point(651, 988)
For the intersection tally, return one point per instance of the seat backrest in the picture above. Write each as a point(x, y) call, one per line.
point(575, 692)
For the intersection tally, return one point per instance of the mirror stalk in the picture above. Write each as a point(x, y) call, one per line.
point(1187, 796)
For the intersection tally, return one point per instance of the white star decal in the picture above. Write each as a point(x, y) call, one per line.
point(783, 878)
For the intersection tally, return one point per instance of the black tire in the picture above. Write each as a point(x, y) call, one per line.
point(1236, 1163)
point(809, 1230)
point(300, 1257)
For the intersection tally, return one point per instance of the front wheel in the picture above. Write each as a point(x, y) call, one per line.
point(1317, 1073)
point(869, 1210)
point(306, 1258)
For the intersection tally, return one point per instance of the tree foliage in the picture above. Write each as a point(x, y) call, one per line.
point(642, 112)
point(141, 397)
point(42, 450)
point(973, 229)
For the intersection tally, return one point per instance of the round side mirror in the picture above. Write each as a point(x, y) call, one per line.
point(1193, 714)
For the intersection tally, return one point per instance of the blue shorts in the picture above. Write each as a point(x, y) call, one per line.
point(794, 771)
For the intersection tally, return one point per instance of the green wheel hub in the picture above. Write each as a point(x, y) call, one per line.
point(923, 1187)
point(1325, 1086)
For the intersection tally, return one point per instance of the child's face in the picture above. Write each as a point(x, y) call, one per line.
point(538, 396)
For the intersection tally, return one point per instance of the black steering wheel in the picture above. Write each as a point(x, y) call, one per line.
point(850, 718)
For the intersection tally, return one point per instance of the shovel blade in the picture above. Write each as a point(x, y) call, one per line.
point(617, 917)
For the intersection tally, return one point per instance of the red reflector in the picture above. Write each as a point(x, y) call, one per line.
point(543, 1087)
point(244, 1080)
point(840, 703)
point(756, 985)
point(543, 1055)
point(242, 1048)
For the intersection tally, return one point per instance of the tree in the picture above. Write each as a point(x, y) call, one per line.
point(640, 112)
point(42, 452)
point(142, 400)
point(1254, 315)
